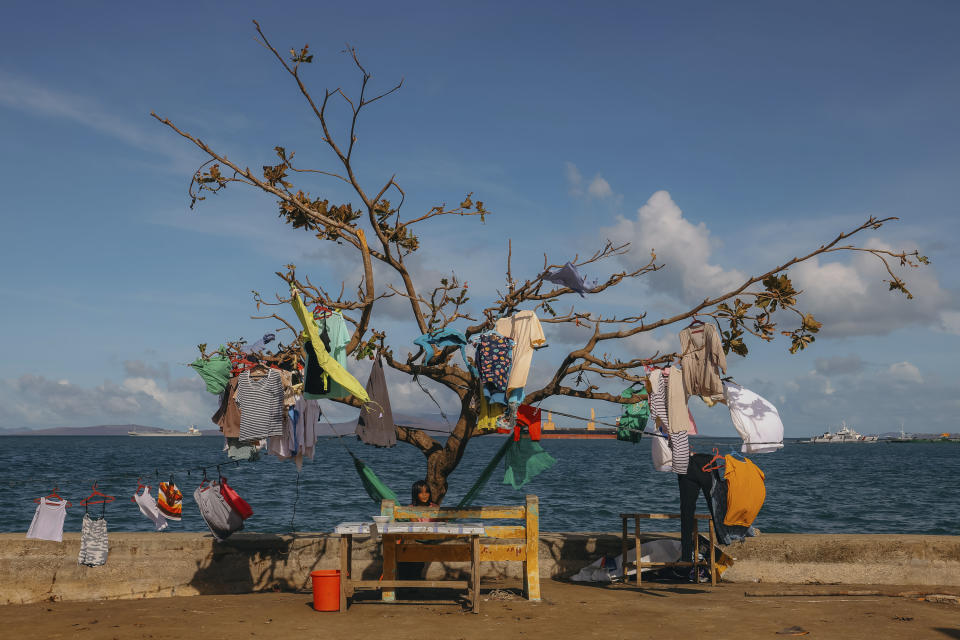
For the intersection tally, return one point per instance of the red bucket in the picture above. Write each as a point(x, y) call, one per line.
point(326, 589)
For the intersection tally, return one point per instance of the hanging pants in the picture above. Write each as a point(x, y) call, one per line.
point(692, 483)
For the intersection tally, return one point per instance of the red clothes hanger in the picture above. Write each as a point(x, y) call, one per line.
point(717, 458)
point(95, 494)
point(54, 496)
point(140, 485)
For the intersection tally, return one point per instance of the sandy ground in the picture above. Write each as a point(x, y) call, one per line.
point(661, 611)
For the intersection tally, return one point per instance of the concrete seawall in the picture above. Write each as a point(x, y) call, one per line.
point(144, 565)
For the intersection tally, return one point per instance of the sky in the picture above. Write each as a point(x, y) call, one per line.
point(727, 137)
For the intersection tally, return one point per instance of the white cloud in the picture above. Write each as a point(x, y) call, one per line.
point(852, 298)
point(574, 179)
point(950, 322)
point(683, 247)
point(27, 96)
point(905, 371)
point(599, 188)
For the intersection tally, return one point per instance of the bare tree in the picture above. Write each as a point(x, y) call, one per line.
point(746, 310)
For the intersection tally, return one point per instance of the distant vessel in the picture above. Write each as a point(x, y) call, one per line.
point(192, 431)
point(904, 437)
point(843, 436)
point(579, 434)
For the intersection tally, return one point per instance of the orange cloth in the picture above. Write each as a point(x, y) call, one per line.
point(745, 491)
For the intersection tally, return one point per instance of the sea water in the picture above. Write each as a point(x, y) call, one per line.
point(839, 488)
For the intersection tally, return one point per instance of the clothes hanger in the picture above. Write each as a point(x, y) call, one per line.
point(97, 493)
point(715, 463)
point(696, 322)
point(737, 455)
point(55, 496)
point(140, 485)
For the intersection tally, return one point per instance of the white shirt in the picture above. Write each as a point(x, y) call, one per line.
point(148, 507)
point(48, 520)
point(755, 419)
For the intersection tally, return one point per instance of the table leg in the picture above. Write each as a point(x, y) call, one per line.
point(475, 572)
point(639, 549)
point(389, 543)
point(623, 550)
point(345, 544)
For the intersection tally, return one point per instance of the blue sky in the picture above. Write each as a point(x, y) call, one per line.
point(727, 137)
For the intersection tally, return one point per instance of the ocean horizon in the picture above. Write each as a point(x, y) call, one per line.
point(858, 488)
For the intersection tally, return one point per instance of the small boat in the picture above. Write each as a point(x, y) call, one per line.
point(191, 431)
point(844, 435)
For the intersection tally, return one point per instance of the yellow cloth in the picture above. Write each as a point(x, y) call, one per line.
point(524, 329)
point(325, 360)
point(487, 420)
point(745, 491)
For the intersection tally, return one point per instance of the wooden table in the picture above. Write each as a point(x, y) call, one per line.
point(662, 516)
point(390, 534)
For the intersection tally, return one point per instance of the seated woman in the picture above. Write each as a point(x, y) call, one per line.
point(420, 496)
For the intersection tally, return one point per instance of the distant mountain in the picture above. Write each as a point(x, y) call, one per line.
point(99, 430)
point(433, 424)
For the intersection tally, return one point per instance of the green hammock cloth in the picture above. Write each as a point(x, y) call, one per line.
point(634, 418)
point(526, 460)
point(373, 485)
point(484, 476)
point(215, 372)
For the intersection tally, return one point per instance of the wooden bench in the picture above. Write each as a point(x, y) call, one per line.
point(518, 543)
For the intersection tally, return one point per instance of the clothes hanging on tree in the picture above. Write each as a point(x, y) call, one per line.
point(493, 357)
point(375, 424)
point(215, 371)
point(754, 418)
point(324, 360)
point(170, 501)
point(261, 405)
point(334, 326)
point(679, 452)
point(524, 329)
point(745, 491)
point(148, 507)
point(661, 454)
point(701, 354)
point(47, 523)
point(94, 546)
point(658, 399)
point(634, 418)
point(434, 341)
point(489, 412)
point(525, 460)
point(569, 277)
point(227, 416)
point(308, 415)
point(528, 417)
point(677, 402)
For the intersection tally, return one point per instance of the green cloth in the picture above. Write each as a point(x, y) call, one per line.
point(526, 459)
point(337, 332)
point(328, 363)
point(215, 372)
point(634, 418)
point(484, 475)
point(373, 485)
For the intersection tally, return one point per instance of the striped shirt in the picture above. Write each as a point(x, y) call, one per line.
point(658, 398)
point(261, 405)
point(680, 445)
